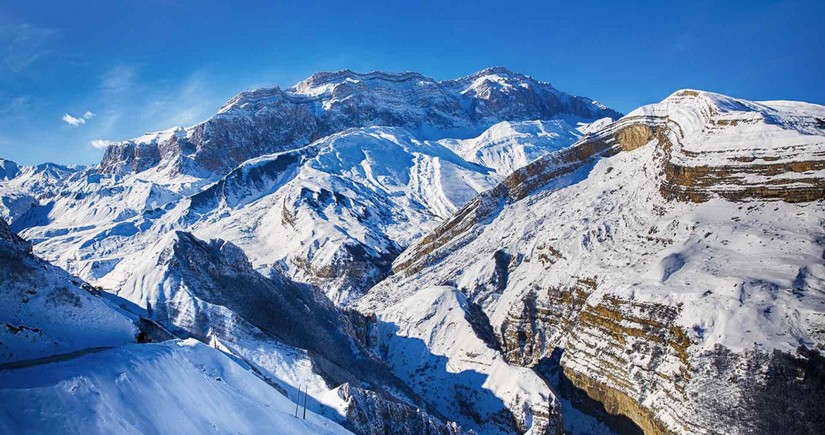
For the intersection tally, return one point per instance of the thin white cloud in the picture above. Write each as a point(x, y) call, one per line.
point(184, 105)
point(118, 80)
point(23, 44)
point(78, 120)
point(118, 89)
point(69, 119)
point(125, 101)
point(16, 106)
point(101, 143)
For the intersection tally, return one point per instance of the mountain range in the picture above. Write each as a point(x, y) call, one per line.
point(480, 255)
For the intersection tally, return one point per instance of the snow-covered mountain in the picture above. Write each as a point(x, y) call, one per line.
point(333, 213)
point(673, 258)
point(271, 120)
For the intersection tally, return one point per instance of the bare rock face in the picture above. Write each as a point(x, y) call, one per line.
point(271, 120)
point(130, 157)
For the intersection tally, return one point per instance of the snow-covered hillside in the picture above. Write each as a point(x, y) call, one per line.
point(182, 387)
point(656, 255)
point(46, 312)
point(69, 363)
point(334, 213)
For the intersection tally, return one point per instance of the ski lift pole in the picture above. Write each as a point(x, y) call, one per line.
point(297, 400)
point(305, 401)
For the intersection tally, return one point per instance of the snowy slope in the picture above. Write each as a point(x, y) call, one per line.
point(339, 213)
point(46, 312)
point(181, 387)
point(335, 213)
point(508, 146)
point(655, 255)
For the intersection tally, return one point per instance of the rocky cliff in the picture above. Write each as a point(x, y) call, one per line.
point(678, 248)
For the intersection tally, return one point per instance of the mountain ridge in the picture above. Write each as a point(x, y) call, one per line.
point(268, 120)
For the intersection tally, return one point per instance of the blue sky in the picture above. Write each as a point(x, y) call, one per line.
point(138, 66)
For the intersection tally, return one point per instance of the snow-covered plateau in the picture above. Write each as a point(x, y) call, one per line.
point(486, 254)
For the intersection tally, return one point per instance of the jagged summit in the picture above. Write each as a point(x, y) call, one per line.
point(268, 120)
point(499, 72)
point(320, 80)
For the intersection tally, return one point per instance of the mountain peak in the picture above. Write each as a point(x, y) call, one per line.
point(323, 83)
point(269, 120)
point(501, 72)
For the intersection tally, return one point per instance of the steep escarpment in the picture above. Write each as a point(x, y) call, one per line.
point(741, 150)
point(653, 283)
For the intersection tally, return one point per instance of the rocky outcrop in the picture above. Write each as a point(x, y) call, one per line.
point(532, 329)
point(351, 269)
point(10, 240)
point(368, 413)
point(787, 164)
point(129, 157)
